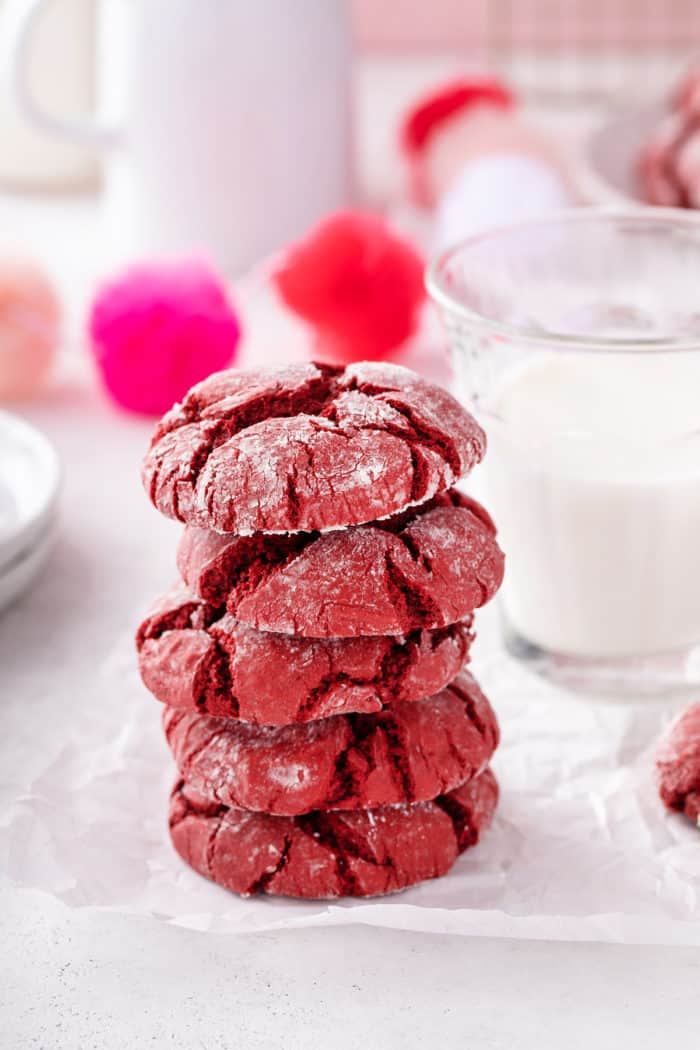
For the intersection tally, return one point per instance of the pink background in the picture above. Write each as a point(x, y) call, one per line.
point(476, 25)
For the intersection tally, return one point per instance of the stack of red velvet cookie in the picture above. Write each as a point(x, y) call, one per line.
point(328, 741)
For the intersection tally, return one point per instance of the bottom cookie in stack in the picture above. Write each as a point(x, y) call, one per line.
point(334, 853)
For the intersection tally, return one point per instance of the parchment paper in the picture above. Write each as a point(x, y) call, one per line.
point(581, 847)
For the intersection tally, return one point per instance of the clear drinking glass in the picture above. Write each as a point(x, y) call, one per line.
point(576, 342)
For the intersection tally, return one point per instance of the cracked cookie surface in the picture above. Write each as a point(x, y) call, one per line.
point(360, 853)
point(426, 568)
point(411, 752)
point(307, 447)
point(197, 657)
point(678, 764)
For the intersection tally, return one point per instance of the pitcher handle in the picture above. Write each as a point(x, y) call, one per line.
point(20, 18)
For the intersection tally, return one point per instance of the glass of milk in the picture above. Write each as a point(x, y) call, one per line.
point(576, 341)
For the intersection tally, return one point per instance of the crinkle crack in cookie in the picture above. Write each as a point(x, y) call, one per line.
point(197, 657)
point(425, 568)
point(678, 764)
point(307, 447)
point(409, 753)
point(362, 853)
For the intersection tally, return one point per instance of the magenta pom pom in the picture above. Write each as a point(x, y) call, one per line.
point(158, 329)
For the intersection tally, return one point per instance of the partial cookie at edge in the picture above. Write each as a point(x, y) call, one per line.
point(678, 764)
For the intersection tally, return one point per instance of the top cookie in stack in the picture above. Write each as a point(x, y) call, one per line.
point(329, 569)
point(308, 447)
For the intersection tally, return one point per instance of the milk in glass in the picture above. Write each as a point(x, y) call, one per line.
point(593, 473)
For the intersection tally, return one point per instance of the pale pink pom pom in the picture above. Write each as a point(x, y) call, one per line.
point(30, 322)
point(158, 329)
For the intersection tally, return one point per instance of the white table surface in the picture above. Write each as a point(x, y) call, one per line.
point(74, 979)
point(112, 984)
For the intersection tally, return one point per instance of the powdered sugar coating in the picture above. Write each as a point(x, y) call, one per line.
point(362, 853)
point(408, 753)
point(307, 447)
point(678, 764)
point(425, 569)
point(194, 656)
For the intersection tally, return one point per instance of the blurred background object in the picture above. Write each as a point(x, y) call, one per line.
point(612, 52)
point(29, 486)
point(357, 283)
point(30, 328)
point(559, 56)
point(61, 72)
point(225, 131)
point(158, 329)
point(556, 49)
point(569, 60)
point(669, 167)
point(231, 130)
point(473, 156)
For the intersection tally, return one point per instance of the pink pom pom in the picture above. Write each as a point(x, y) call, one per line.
point(160, 328)
point(30, 321)
point(358, 283)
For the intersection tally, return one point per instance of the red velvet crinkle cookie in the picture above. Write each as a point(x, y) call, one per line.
point(678, 764)
point(407, 753)
point(424, 569)
point(362, 853)
point(307, 447)
point(196, 657)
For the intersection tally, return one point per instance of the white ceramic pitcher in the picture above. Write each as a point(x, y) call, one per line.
point(225, 123)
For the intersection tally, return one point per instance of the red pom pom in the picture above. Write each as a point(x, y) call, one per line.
point(432, 113)
point(433, 110)
point(358, 283)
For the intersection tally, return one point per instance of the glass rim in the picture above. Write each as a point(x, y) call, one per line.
point(647, 214)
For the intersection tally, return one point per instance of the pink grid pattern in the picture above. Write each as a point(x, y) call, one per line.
point(430, 24)
point(553, 48)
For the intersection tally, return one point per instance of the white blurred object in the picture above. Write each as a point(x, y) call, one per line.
point(226, 128)
point(486, 164)
point(61, 76)
point(20, 574)
point(29, 487)
point(497, 189)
